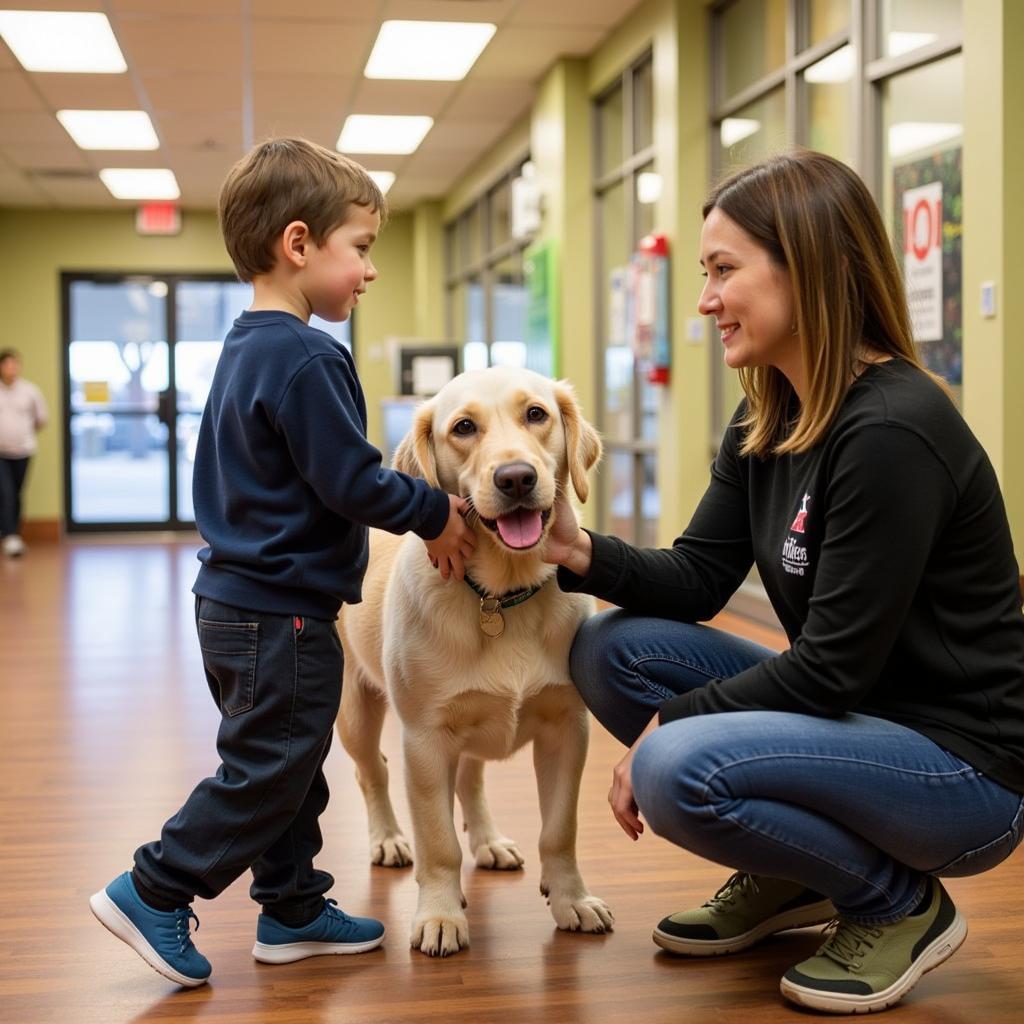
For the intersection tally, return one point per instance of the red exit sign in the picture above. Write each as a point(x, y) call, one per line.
point(158, 219)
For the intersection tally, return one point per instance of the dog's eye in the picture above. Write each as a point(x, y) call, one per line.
point(535, 414)
point(464, 428)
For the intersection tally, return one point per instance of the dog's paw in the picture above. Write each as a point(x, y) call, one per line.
point(581, 914)
point(438, 935)
point(392, 852)
point(499, 854)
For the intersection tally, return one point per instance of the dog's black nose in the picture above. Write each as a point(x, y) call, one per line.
point(515, 479)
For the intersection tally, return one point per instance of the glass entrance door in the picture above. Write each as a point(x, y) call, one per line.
point(140, 355)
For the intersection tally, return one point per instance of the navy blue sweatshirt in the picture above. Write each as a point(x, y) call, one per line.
point(886, 554)
point(285, 482)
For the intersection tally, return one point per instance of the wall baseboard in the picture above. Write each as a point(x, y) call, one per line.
point(45, 531)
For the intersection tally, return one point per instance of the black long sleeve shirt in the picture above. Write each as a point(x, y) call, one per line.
point(285, 482)
point(886, 554)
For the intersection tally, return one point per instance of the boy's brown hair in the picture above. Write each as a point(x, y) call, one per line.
point(283, 180)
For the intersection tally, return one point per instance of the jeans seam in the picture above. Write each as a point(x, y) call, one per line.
point(968, 770)
point(654, 687)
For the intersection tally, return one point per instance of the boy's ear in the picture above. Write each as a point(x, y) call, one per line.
point(295, 241)
point(415, 454)
point(582, 442)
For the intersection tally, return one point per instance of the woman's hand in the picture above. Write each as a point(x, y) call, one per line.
point(620, 796)
point(567, 544)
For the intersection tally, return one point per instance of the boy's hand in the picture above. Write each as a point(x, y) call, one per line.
point(449, 551)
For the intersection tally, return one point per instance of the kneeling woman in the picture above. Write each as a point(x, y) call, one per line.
point(885, 748)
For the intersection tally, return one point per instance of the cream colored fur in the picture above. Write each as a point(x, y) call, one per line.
point(464, 698)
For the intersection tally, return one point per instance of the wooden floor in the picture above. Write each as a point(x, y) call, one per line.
point(105, 725)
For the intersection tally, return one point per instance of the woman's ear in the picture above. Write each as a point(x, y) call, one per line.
point(415, 454)
point(582, 442)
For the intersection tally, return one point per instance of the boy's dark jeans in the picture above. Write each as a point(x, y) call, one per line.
point(277, 682)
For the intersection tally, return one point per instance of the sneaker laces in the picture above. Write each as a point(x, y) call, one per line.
point(333, 910)
point(736, 886)
point(849, 942)
point(182, 918)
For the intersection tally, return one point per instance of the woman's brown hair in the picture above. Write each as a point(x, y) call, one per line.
point(816, 219)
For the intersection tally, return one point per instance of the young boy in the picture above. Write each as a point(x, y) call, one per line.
point(285, 486)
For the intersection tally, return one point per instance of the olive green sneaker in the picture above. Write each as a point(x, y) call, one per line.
point(747, 909)
point(872, 967)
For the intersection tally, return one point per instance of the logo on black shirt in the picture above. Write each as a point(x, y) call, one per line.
point(794, 554)
point(801, 516)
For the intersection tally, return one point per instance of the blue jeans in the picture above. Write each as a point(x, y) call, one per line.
point(276, 680)
point(858, 808)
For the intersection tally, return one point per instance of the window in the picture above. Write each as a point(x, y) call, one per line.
point(486, 289)
point(626, 191)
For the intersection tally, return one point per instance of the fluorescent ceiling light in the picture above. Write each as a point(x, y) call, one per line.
point(912, 136)
point(62, 41)
point(904, 42)
point(429, 50)
point(384, 179)
point(736, 129)
point(140, 182)
point(109, 129)
point(648, 187)
point(831, 70)
point(383, 133)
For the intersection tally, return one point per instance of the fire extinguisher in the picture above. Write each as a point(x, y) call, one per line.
point(652, 336)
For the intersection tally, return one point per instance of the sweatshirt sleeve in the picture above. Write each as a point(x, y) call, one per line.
point(692, 580)
point(319, 419)
point(888, 498)
point(42, 414)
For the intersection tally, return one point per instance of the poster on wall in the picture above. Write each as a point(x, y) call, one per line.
point(927, 203)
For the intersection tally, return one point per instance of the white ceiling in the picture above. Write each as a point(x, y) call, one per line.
point(217, 75)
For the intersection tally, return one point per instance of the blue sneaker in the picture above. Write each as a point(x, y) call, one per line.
point(332, 932)
point(160, 937)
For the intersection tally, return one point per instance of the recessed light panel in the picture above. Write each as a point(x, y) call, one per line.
point(384, 179)
point(428, 50)
point(140, 182)
point(67, 41)
point(383, 133)
point(109, 129)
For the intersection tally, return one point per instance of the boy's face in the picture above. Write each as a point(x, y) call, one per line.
point(340, 269)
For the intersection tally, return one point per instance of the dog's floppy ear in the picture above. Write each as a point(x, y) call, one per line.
point(582, 442)
point(415, 454)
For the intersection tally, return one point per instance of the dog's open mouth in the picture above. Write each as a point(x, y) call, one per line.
point(519, 529)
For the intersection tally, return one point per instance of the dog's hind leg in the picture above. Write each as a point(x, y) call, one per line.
point(490, 848)
point(359, 726)
point(559, 752)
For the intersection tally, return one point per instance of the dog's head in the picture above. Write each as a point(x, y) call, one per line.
point(508, 439)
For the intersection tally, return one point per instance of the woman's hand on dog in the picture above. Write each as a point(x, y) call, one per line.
point(449, 551)
point(566, 543)
point(620, 796)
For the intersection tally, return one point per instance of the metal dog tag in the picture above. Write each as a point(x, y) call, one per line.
point(491, 622)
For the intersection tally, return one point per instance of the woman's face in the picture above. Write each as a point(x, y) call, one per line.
point(750, 297)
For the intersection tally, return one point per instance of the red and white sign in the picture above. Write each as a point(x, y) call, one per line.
point(158, 218)
point(922, 259)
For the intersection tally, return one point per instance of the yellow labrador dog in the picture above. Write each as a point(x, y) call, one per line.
point(476, 669)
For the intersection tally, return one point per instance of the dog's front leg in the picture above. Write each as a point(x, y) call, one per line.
point(559, 752)
point(439, 927)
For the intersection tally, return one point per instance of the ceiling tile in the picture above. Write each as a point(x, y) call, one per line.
point(62, 156)
point(515, 53)
point(311, 47)
point(321, 128)
point(78, 192)
point(593, 13)
point(206, 8)
point(88, 92)
point(385, 96)
point(18, 126)
point(181, 45)
point(287, 93)
point(323, 10)
point(505, 98)
point(16, 93)
point(193, 93)
point(17, 190)
point(495, 11)
point(212, 132)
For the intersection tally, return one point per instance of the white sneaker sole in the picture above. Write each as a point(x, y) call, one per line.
point(289, 952)
point(937, 952)
point(117, 922)
point(803, 917)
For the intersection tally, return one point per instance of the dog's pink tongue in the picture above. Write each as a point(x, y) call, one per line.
point(520, 529)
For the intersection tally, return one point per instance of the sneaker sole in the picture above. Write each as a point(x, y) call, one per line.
point(289, 952)
point(938, 952)
point(118, 923)
point(804, 917)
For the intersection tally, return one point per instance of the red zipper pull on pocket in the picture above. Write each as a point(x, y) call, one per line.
point(298, 624)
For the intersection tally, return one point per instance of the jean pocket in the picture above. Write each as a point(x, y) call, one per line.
point(982, 858)
point(229, 656)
